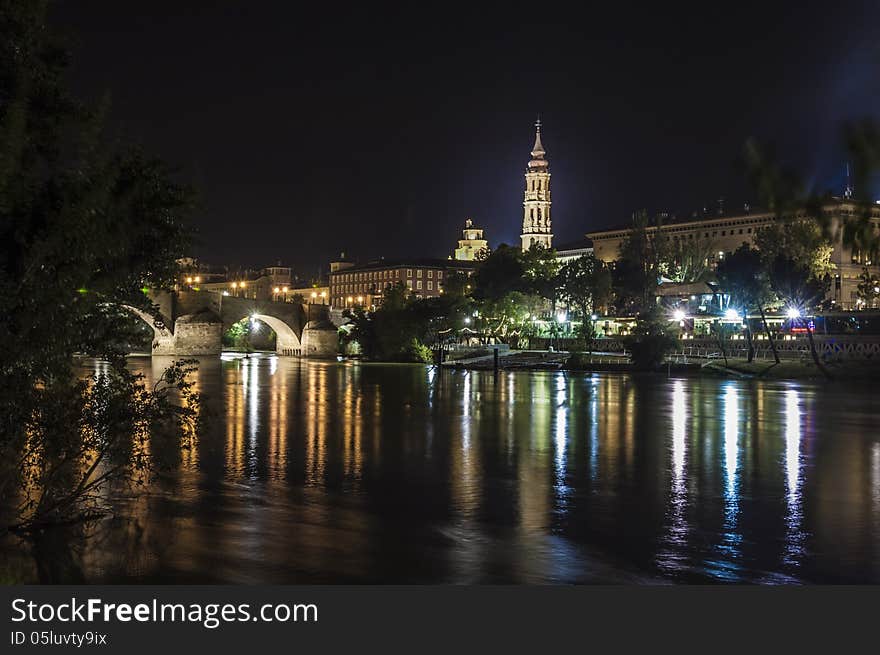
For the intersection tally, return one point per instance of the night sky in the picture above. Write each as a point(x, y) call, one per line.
point(378, 133)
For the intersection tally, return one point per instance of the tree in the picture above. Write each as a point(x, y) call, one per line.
point(799, 240)
point(501, 273)
point(637, 270)
point(390, 332)
point(744, 276)
point(783, 192)
point(868, 289)
point(85, 230)
point(687, 260)
point(650, 341)
point(541, 272)
point(799, 290)
point(585, 286)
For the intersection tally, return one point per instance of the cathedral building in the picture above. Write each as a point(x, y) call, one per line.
point(536, 226)
point(472, 242)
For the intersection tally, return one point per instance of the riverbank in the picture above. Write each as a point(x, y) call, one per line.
point(615, 362)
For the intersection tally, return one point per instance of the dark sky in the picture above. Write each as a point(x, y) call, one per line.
point(378, 132)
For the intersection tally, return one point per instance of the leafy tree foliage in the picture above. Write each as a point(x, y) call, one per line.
point(585, 284)
point(84, 231)
point(868, 289)
point(395, 330)
point(801, 241)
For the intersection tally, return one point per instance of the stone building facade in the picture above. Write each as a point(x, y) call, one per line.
point(362, 285)
point(728, 232)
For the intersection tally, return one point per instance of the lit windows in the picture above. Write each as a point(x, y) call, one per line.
point(419, 284)
point(430, 286)
point(419, 273)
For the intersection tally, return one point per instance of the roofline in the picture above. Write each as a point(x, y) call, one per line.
point(709, 221)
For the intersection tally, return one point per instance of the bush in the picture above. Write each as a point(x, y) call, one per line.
point(649, 343)
point(416, 351)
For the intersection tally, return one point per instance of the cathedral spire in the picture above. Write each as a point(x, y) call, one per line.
point(538, 148)
point(536, 225)
point(538, 162)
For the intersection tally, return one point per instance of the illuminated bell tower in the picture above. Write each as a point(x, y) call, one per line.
point(536, 206)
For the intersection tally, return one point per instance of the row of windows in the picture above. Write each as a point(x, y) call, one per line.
point(386, 275)
point(372, 288)
point(690, 236)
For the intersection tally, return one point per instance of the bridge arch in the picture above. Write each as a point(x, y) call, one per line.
point(163, 339)
point(286, 340)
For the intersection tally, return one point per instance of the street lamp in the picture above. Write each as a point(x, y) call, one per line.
point(793, 313)
point(314, 295)
point(323, 297)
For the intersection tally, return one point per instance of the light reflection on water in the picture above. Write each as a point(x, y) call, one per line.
point(338, 472)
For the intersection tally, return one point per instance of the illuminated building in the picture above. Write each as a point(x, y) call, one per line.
point(724, 233)
point(362, 285)
point(472, 242)
point(536, 226)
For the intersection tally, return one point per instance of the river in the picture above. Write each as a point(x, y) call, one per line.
point(340, 472)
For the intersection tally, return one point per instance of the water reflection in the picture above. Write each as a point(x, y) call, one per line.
point(795, 538)
point(326, 472)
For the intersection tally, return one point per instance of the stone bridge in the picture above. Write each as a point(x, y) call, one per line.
point(193, 322)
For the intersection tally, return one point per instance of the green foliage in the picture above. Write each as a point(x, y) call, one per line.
point(419, 352)
point(395, 330)
point(83, 229)
point(793, 284)
point(238, 336)
point(585, 284)
point(744, 275)
point(801, 241)
point(868, 289)
point(783, 192)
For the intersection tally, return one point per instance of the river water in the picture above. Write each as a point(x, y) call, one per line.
point(326, 472)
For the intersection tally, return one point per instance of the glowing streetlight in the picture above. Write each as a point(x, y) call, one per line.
point(594, 317)
point(277, 290)
point(678, 315)
point(234, 285)
point(360, 300)
point(314, 295)
point(284, 289)
point(189, 280)
point(732, 314)
point(793, 312)
point(561, 317)
point(467, 320)
point(198, 279)
point(241, 284)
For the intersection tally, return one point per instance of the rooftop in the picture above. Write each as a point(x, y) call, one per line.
point(415, 262)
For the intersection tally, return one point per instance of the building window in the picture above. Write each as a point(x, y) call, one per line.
point(430, 286)
point(409, 273)
point(419, 284)
point(430, 274)
point(409, 283)
point(439, 275)
point(419, 273)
